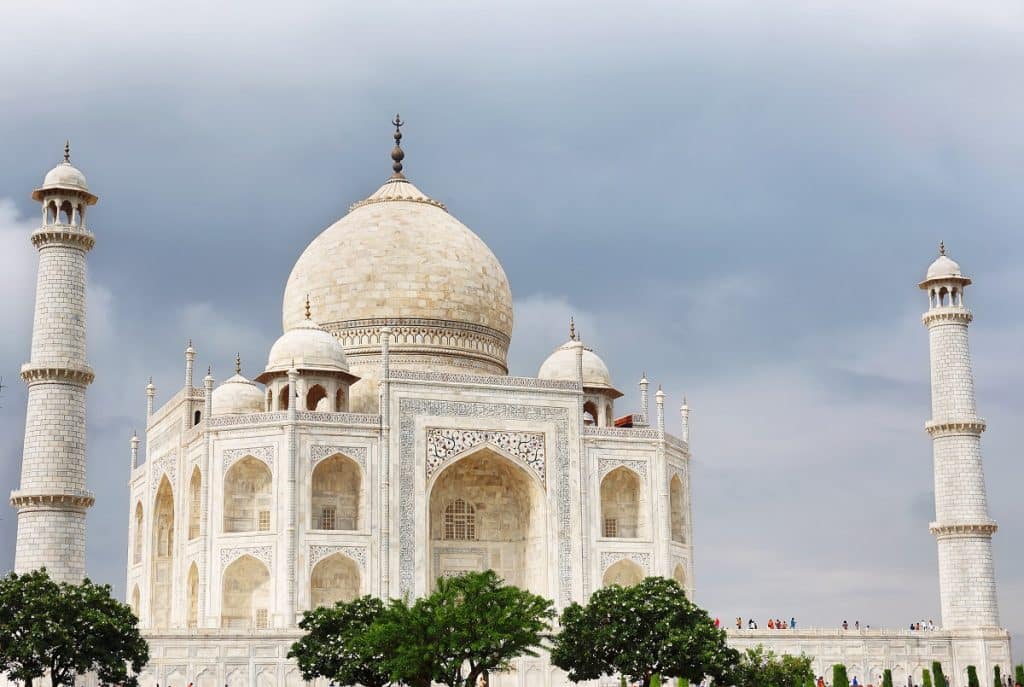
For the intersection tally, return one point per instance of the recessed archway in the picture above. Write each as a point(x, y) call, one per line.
point(245, 602)
point(335, 578)
point(677, 509)
point(247, 496)
point(488, 512)
point(625, 573)
point(336, 487)
point(162, 555)
point(621, 491)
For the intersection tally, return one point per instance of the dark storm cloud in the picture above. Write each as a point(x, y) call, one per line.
point(737, 197)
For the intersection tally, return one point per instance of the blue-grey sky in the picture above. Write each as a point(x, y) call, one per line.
point(738, 197)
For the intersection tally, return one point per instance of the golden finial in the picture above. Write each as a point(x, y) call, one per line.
point(397, 154)
point(309, 313)
point(67, 151)
point(572, 328)
point(942, 247)
point(238, 363)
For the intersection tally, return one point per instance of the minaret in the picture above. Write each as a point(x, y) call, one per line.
point(52, 500)
point(962, 527)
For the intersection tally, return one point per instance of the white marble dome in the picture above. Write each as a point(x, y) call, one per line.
point(64, 177)
point(942, 268)
point(237, 396)
point(400, 259)
point(562, 365)
point(307, 347)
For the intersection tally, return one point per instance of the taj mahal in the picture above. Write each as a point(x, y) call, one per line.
point(383, 445)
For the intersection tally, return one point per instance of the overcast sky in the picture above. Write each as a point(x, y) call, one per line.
point(737, 197)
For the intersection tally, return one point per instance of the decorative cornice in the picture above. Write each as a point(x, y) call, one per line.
point(949, 315)
point(66, 371)
point(64, 234)
point(984, 529)
point(974, 426)
point(75, 500)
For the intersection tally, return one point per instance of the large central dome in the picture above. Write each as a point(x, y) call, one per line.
point(400, 259)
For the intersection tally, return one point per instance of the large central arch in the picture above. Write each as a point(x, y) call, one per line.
point(487, 511)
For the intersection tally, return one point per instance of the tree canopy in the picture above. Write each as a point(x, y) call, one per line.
point(761, 667)
point(648, 629)
point(334, 646)
point(68, 630)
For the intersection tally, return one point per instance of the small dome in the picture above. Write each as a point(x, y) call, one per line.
point(67, 177)
point(307, 347)
point(237, 396)
point(942, 268)
point(562, 365)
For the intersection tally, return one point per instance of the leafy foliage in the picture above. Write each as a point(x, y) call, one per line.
point(472, 624)
point(839, 678)
point(760, 667)
point(887, 678)
point(648, 629)
point(68, 630)
point(334, 646)
point(972, 677)
point(938, 676)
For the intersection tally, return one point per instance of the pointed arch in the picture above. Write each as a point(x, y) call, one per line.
point(624, 573)
point(162, 555)
point(245, 599)
point(193, 595)
point(248, 496)
point(195, 503)
point(137, 534)
point(335, 578)
point(315, 394)
point(336, 490)
point(677, 509)
point(679, 575)
point(621, 490)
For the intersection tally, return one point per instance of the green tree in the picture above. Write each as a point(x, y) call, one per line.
point(938, 675)
point(472, 624)
point(761, 667)
point(648, 629)
point(887, 678)
point(67, 630)
point(926, 678)
point(334, 647)
point(839, 678)
point(1018, 674)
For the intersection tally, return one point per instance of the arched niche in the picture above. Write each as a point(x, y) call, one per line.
point(336, 489)
point(487, 511)
point(335, 578)
point(679, 575)
point(137, 534)
point(195, 503)
point(677, 509)
point(621, 512)
point(245, 599)
point(193, 596)
point(162, 555)
point(248, 496)
point(624, 573)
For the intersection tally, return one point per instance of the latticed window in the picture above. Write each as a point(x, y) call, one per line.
point(264, 521)
point(459, 521)
point(611, 527)
point(328, 518)
point(261, 619)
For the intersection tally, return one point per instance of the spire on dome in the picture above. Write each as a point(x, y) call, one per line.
point(397, 154)
point(67, 151)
